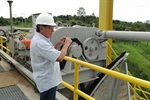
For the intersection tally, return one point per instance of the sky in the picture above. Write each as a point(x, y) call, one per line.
point(124, 10)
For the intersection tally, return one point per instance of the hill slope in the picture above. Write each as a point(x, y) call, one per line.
point(138, 59)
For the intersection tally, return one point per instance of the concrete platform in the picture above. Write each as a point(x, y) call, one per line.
point(11, 77)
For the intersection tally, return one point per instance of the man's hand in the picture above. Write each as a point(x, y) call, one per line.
point(63, 41)
point(68, 41)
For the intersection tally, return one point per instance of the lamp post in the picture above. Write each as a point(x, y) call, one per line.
point(11, 20)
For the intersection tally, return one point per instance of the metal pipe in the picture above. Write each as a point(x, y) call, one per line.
point(23, 29)
point(118, 83)
point(129, 35)
point(11, 20)
point(128, 84)
point(125, 35)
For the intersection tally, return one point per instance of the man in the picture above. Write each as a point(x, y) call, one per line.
point(45, 57)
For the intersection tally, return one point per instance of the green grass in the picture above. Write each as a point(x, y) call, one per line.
point(138, 59)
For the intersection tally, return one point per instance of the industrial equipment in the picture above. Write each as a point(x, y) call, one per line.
point(89, 45)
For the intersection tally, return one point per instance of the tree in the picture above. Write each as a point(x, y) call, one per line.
point(81, 12)
point(4, 21)
point(93, 14)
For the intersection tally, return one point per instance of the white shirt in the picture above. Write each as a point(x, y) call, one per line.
point(46, 71)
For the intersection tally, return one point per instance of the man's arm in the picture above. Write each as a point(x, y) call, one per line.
point(64, 49)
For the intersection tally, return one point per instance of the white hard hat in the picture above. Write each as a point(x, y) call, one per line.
point(45, 19)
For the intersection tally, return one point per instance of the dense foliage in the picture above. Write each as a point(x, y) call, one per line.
point(19, 21)
point(90, 21)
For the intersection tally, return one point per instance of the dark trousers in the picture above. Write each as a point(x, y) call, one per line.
point(49, 94)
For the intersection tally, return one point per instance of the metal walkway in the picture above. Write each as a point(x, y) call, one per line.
point(12, 93)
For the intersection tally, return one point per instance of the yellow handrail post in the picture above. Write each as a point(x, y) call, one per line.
point(143, 92)
point(76, 77)
point(2, 43)
point(105, 21)
point(134, 89)
point(7, 48)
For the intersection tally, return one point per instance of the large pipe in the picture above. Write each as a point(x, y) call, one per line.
point(125, 35)
point(23, 29)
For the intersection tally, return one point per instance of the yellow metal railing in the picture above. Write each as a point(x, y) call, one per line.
point(136, 95)
point(77, 92)
point(76, 81)
point(2, 47)
point(115, 74)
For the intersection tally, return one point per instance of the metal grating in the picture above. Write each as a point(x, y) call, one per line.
point(12, 93)
point(1, 69)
